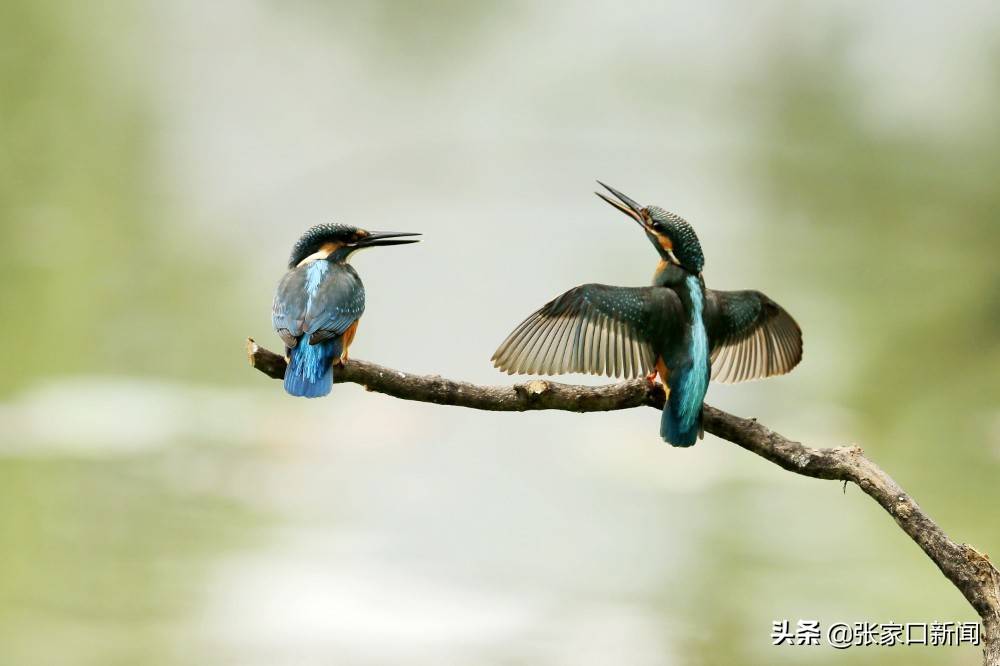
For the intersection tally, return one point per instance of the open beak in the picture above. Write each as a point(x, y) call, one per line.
point(638, 213)
point(624, 204)
point(384, 238)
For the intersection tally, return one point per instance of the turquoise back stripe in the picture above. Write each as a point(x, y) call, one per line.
point(314, 278)
point(695, 382)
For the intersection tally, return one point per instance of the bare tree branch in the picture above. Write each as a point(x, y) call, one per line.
point(968, 569)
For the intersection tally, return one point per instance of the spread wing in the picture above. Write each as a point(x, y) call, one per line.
point(594, 329)
point(751, 336)
point(320, 300)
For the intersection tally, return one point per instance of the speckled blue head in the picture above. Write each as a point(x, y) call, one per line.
point(670, 234)
point(682, 239)
point(338, 241)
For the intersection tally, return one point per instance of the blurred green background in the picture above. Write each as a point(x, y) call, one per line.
point(160, 503)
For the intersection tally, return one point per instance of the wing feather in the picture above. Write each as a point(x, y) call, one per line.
point(323, 306)
point(595, 329)
point(751, 336)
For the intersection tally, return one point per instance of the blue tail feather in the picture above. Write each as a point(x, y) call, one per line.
point(677, 428)
point(310, 367)
point(680, 424)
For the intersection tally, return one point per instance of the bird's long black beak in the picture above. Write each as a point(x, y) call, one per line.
point(624, 203)
point(385, 238)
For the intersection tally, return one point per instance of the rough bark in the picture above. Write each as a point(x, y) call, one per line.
point(968, 569)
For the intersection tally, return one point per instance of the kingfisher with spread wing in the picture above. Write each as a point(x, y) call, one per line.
point(319, 303)
point(676, 328)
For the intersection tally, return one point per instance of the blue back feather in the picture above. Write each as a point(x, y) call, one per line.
point(680, 423)
point(310, 367)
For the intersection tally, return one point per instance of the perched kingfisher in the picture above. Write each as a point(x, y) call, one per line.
point(320, 301)
point(676, 328)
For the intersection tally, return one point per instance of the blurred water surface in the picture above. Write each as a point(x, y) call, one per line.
point(162, 504)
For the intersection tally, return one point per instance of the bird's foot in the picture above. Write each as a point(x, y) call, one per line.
point(651, 380)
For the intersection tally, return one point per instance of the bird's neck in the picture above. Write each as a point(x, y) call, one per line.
point(334, 252)
point(341, 255)
point(669, 274)
point(322, 252)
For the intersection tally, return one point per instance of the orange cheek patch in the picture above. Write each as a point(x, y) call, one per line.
point(664, 242)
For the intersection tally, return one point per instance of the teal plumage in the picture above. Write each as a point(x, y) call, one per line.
point(319, 302)
point(315, 305)
point(677, 327)
point(680, 423)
